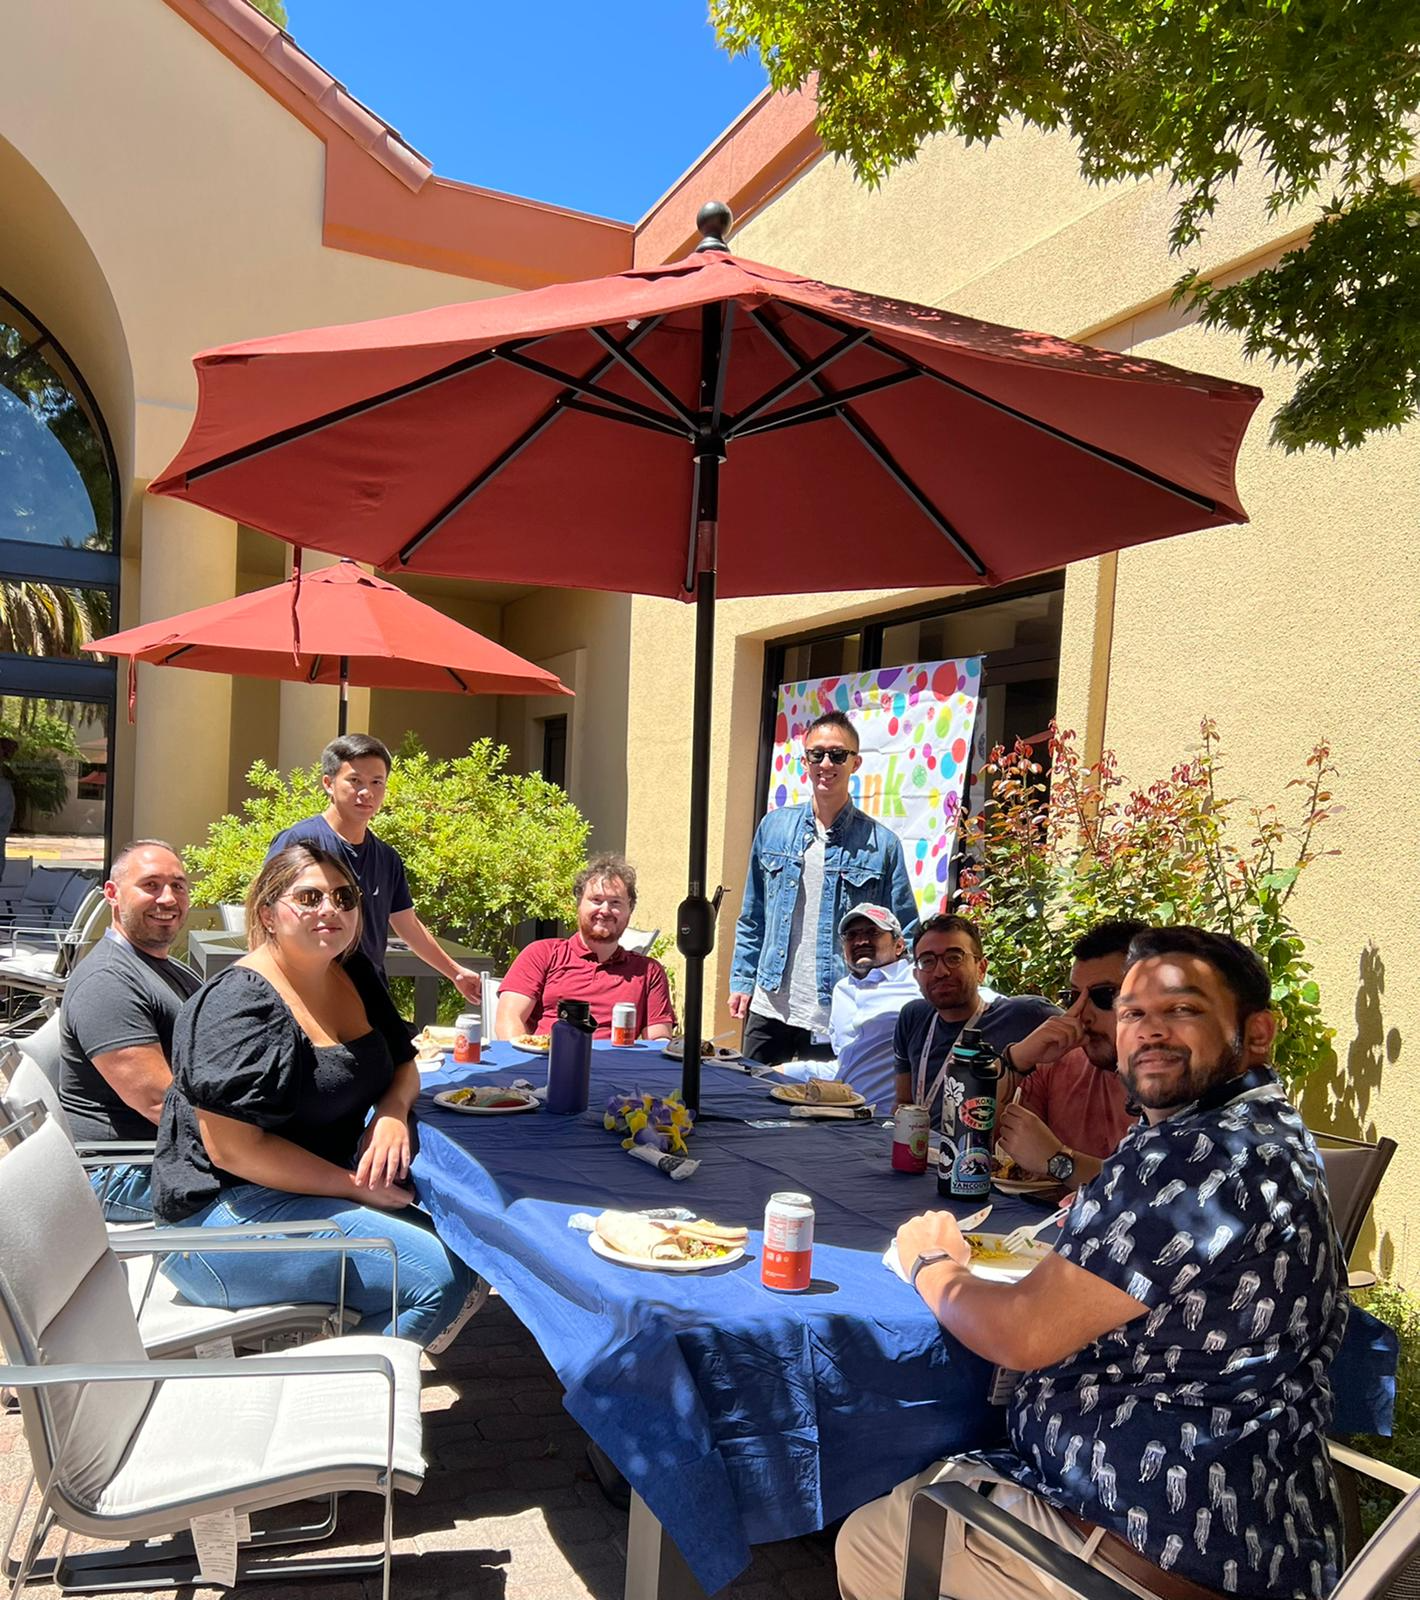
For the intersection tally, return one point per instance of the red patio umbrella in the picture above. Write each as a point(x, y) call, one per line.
point(575, 435)
point(337, 626)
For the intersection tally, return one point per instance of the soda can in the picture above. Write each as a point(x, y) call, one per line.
point(787, 1263)
point(910, 1127)
point(623, 1023)
point(468, 1038)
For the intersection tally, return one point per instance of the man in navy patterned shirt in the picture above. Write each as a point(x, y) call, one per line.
point(1170, 1426)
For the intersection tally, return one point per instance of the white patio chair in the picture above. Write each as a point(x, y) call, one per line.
point(171, 1325)
point(639, 940)
point(1387, 1569)
point(46, 940)
point(126, 1447)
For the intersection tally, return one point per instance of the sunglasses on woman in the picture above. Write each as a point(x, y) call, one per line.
point(1102, 996)
point(819, 754)
point(343, 897)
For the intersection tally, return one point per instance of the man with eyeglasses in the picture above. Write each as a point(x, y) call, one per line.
point(355, 771)
point(1072, 1109)
point(809, 866)
point(949, 963)
point(590, 965)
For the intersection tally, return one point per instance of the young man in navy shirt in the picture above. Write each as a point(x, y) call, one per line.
point(1170, 1426)
point(355, 771)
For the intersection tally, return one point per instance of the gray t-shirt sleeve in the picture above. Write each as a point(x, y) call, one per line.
point(106, 1010)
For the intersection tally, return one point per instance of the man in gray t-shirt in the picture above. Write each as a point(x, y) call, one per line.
point(116, 1022)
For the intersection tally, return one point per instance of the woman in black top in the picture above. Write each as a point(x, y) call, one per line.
point(293, 1079)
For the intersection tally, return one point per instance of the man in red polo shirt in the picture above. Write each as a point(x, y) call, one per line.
point(589, 966)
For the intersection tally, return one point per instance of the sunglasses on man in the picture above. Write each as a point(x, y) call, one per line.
point(837, 755)
point(1102, 996)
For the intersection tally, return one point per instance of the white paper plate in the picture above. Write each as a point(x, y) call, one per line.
point(1026, 1185)
point(1011, 1271)
point(442, 1099)
point(601, 1248)
point(796, 1094)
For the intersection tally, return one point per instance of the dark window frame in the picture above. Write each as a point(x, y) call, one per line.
point(29, 677)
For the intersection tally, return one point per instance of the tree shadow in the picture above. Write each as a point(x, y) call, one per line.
point(1339, 1100)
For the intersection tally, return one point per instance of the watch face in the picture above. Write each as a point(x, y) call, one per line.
point(1060, 1166)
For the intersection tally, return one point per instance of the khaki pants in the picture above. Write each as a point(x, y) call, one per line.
point(872, 1544)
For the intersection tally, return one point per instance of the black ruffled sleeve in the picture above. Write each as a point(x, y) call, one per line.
point(235, 1050)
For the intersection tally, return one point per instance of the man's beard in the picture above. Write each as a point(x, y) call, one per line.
point(1194, 1082)
point(144, 936)
point(1099, 1047)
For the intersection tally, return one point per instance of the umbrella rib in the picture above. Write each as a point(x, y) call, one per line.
point(641, 371)
point(588, 409)
point(594, 391)
point(330, 419)
point(513, 451)
point(458, 680)
point(849, 343)
point(1202, 501)
point(879, 451)
point(812, 410)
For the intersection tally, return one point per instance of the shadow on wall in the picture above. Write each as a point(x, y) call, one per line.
point(1339, 1101)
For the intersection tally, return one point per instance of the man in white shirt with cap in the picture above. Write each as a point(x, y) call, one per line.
point(866, 1003)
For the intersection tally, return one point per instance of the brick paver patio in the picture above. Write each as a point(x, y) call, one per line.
point(509, 1509)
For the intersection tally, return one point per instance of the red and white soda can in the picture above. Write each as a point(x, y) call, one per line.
point(623, 1023)
point(468, 1037)
point(787, 1263)
point(910, 1127)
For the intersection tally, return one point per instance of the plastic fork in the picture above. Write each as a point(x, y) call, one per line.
point(1019, 1238)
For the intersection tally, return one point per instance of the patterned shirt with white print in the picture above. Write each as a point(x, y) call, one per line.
point(1198, 1431)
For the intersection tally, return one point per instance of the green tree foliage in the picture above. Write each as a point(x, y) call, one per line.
point(275, 10)
point(39, 769)
point(485, 849)
point(1055, 851)
point(1392, 1304)
point(49, 619)
point(1321, 94)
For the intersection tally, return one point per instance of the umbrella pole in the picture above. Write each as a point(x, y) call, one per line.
point(696, 918)
point(344, 696)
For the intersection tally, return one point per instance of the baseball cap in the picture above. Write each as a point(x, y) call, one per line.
point(879, 916)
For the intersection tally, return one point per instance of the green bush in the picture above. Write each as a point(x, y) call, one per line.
point(1057, 848)
point(1392, 1304)
point(39, 769)
point(484, 849)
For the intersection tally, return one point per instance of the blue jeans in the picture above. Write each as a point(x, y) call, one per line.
point(125, 1193)
point(433, 1284)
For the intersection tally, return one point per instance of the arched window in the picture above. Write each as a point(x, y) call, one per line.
point(59, 567)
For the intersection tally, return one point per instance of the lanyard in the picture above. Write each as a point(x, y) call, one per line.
point(947, 1059)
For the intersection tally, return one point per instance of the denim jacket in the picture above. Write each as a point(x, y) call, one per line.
point(863, 864)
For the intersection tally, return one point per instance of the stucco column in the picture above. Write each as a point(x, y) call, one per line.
point(1086, 641)
point(184, 719)
point(310, 712)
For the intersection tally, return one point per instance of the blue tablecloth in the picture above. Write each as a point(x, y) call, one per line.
point(738, 1414)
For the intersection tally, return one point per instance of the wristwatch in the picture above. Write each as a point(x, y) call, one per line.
point(926, 1259)
point(1061, 1165)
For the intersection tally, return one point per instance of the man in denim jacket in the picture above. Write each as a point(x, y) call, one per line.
point(810, 865)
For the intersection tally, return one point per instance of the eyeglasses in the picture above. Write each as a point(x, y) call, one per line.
point(342, 898)
point(837, 755)
point(952, 960)
point(1102, 996)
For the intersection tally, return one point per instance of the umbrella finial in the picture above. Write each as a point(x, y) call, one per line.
point(714, 221)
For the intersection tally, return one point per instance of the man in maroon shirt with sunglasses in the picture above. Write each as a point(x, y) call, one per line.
point(1072, 1109)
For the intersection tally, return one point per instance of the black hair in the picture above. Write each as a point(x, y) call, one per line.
point(834, 719)
point(949, 922)
point(352, 747)
point(1238, 966)
point(1107, 939)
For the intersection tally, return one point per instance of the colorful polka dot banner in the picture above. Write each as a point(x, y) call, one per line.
point(914, 724)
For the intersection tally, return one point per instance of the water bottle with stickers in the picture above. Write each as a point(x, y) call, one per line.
point(964, 1163)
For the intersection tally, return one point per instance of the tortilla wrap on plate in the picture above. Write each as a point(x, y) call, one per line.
point(644, 1240)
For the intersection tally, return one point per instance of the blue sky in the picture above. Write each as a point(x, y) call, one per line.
point(598, 107)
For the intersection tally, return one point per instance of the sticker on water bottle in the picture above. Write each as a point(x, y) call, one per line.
point(978, 1114)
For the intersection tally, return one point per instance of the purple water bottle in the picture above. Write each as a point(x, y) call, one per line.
point(569, 1060)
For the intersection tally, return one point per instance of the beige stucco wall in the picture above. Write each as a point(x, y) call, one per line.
point(1303, 624)
point(155, 201)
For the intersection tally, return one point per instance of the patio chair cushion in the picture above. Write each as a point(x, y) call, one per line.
point(274, 1432)
point(64, 1297)
point(171, 1325)
point(44, 904)
point(29, 1084)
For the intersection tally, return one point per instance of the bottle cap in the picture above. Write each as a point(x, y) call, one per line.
point(577, 1012)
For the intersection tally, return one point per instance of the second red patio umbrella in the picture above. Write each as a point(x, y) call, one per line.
point(338, 626)
point(715, 425)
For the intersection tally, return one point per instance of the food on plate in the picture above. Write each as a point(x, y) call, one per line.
point(650, 1239)
point(987, 1248)
point(1005, 1168)
point(829, 1092)
point(432, 1041)
point(486, 1096)
point(541, 1042)
point(675, 1046)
